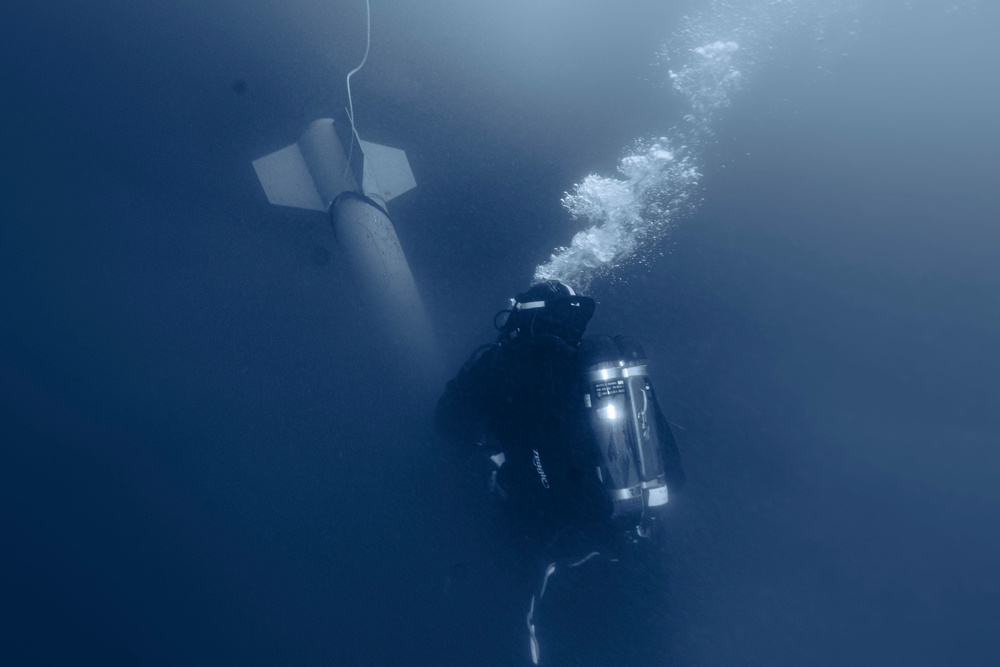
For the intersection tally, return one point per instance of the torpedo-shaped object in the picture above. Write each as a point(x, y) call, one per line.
point(353, 185)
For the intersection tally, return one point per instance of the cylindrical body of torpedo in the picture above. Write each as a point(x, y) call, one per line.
point(352, 181)
point(382, 274)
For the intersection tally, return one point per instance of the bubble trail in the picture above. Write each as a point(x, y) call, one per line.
point(626, 218)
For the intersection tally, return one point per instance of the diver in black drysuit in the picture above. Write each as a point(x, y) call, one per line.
point(517, 407)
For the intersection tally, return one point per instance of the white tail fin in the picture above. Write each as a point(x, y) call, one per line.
point(286, 179)
point(387, 171)
point(313, 171)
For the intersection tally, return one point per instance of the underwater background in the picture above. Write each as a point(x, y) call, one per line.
point(206, 457)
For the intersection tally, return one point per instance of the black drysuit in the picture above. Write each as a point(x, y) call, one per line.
point(526, 396)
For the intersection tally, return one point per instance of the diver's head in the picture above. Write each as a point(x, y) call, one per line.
point(549, 308)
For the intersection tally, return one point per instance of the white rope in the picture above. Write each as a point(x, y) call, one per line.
point(532, 640)
point(549, 571)
point(592, 554)
point(350, 100)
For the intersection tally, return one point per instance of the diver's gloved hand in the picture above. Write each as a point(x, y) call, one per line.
point(488, 444)
point(490, 458)
point(640, 542)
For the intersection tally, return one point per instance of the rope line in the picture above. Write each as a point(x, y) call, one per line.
point(350, 100)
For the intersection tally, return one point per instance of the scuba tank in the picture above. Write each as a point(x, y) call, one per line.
point(622, 413)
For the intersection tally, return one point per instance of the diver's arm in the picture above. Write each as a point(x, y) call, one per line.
point(462, 413)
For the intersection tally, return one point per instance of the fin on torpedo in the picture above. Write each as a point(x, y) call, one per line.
point(313, 171)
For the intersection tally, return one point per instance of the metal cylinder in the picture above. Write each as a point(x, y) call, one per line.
point(622, 413)
point(383, 278)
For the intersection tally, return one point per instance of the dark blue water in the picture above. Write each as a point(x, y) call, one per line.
point(205, 459)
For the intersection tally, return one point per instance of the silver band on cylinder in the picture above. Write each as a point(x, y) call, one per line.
point(605, 374)
point(626, 494)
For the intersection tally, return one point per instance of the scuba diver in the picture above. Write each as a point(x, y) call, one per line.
point(569, 435)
